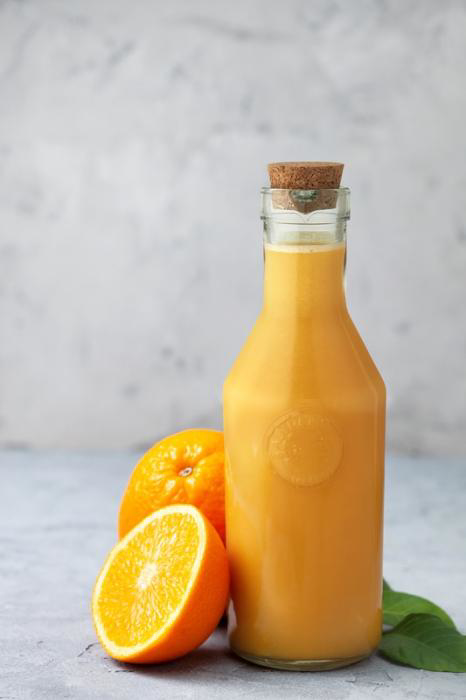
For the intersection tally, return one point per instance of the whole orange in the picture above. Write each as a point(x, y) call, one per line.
point(187, 467)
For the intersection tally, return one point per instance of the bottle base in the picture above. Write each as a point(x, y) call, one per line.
point(300, 664)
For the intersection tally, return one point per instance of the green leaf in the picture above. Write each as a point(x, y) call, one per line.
point(425, 641)
point(386, 587)
point(397, 605)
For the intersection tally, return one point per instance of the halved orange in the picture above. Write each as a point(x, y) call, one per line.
point(163, 587)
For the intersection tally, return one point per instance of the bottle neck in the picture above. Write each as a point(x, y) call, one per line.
point(304, 280)
point(305, 250)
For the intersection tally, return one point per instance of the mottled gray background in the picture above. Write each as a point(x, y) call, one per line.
point(134, 137)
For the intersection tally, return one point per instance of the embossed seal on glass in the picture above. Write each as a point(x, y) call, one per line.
point(304, 447)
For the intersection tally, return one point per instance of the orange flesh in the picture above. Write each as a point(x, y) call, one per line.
point(148, 579)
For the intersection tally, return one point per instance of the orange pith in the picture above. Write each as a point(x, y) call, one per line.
point(187, 467)
point(163, 587)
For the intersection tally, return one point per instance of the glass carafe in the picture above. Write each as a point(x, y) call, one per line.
point(304, 420)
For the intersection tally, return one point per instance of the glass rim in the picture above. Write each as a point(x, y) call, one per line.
point(272, 190)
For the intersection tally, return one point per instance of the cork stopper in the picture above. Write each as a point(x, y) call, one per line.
point(306, 175)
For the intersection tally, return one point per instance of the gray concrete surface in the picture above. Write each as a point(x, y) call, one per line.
point(57, 521)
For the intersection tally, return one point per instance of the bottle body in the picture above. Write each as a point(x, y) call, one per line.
point(304, 420)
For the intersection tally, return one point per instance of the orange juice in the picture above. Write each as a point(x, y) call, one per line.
point(304, 414)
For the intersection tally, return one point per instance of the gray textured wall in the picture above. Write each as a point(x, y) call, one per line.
point(133, 141)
